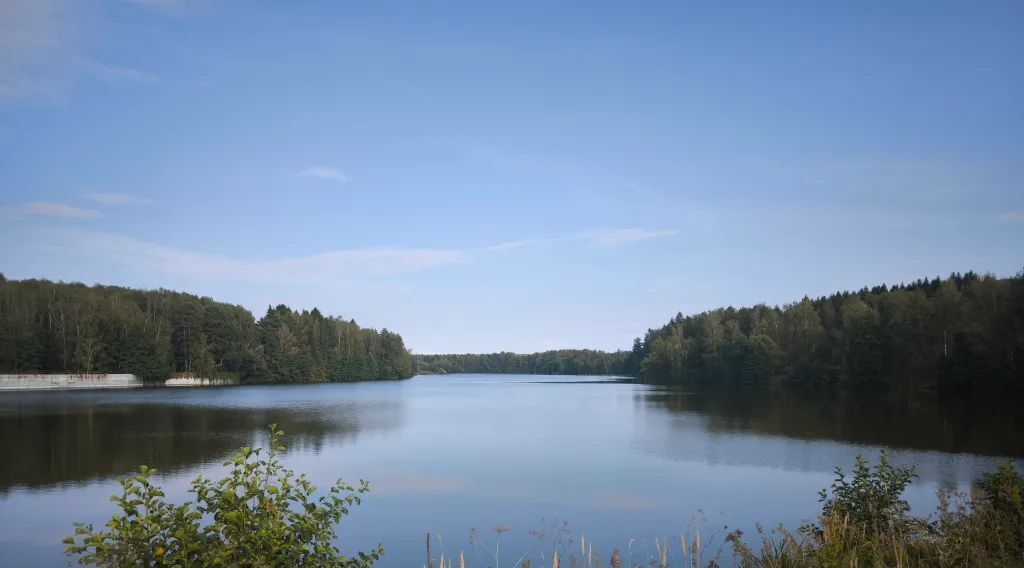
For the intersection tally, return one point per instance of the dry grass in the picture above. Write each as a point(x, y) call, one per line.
point(580, 553)
point(982, 529)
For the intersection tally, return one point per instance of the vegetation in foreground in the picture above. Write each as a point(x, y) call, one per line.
point(260, 515)
point(65, 327)
point(263, 515)
point(864, 522)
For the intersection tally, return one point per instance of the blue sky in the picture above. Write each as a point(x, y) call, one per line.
point(487, 176)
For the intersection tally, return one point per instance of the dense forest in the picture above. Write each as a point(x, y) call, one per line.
point(49, 327)
point(561, 362)
point(965, 330)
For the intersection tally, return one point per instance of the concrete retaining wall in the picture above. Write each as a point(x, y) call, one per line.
point(198, 382)
point(9, 382)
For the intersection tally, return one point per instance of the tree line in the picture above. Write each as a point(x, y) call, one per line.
point(69, 327)
point(964, 330)
point(559, 362)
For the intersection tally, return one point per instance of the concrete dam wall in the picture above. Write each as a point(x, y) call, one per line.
point(73, 381)
point(187, 381)
point(68, 381)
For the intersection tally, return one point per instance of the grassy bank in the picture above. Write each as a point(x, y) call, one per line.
point(864, 522)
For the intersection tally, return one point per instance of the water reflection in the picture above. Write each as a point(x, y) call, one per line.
point(950, 440)
point(984, 425)
point(57, 438)
point(618, 460)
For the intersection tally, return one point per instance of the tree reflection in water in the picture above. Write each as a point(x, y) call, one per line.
point(53, 438)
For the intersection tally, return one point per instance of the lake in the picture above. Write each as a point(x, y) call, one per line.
point(613, 459)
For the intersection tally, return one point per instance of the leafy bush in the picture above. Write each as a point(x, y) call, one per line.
point(865, 522)
point(873, 498)
point(260, 515)
point(990, 532)
point(1002, 491)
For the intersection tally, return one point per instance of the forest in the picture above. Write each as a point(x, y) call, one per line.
point(560, 362)
point(69, 327)
point(966, 330)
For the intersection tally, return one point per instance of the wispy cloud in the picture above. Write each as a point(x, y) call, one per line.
point(602, 237)
point(613, 237)
point(30, 33)
point(324, 268)
point(325, 173)
point(512, 245)
point(110, 71)
point(633, 187)
point(49, 209)
point(115, 198)
point(1012, 216)
point(43, 52)
point(167, 7)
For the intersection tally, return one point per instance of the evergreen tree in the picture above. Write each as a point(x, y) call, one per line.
point(57, 327)
point(966, 330)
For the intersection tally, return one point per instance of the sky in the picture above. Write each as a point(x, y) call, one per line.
point(521, 176)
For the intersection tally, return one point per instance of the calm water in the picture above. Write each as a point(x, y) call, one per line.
point(615, 460)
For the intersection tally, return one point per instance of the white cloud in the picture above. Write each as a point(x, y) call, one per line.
point(1012, 216)
point(633, 187)
point(325, 268)
point(167, 7)
point(512, 245)
point(324, 173)
point(613, 237)
point(110, 71)
point(115, 198)
point(43, 51)
point(31, 33)
point(49, 209)
point(603, 237)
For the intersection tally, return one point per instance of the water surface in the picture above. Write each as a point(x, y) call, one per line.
point(449, 454)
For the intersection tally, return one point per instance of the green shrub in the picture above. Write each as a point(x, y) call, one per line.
point(865, 522)
point(260, 515)
point(873, 498)
point(991, 532)
point(1001, 490)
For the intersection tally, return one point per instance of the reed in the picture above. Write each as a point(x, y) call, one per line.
point(982, 528)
